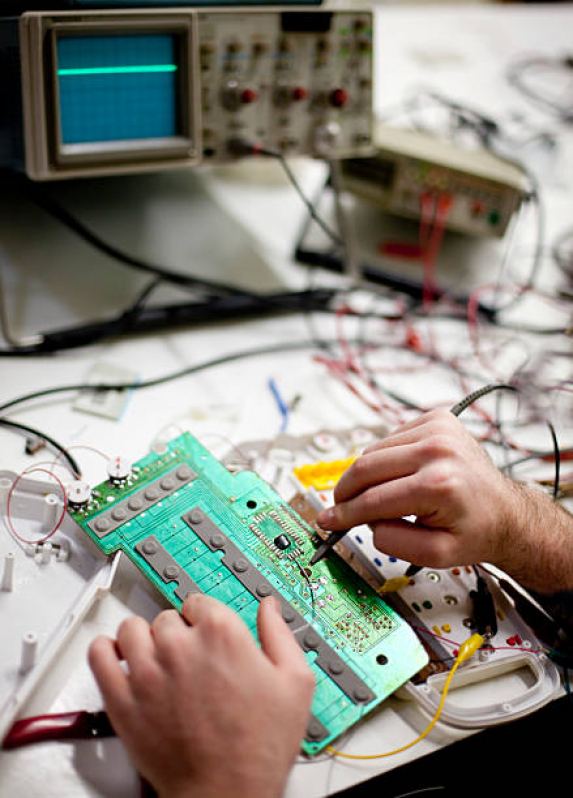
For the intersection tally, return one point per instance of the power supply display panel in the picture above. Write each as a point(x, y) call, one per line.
point(190, 525)
point(114, 88)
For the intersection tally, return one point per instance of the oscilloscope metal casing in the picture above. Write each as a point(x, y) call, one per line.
point(32, 140)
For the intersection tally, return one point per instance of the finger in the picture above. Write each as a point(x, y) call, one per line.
point(135, 644)
point(275, 637)
point(109, 675)
point(201, 611)
point(167, 625)
point(221, 629)
point(393, 499)
point(413, 430)
point(415, 543)
point(375, 468)
point(197, 607)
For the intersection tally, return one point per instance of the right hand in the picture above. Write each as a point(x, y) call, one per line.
point(433, 469)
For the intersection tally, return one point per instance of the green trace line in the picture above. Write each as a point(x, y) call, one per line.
point(119, 70)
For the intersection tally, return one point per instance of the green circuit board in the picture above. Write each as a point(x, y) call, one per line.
point(190, 525)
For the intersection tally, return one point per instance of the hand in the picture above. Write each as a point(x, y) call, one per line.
point(433, 469)
point(202, 710)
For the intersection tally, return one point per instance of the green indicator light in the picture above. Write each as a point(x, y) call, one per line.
point(119, 70)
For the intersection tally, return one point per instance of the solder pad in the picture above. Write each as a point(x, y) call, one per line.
point(190, 525)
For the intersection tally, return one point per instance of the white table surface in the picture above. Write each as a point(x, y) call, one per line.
point(54, 280)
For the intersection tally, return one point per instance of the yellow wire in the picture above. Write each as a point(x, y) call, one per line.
point(467, 650)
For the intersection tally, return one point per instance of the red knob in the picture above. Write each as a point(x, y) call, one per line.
point(299, 93)
point(248, 96)
point(338, 98)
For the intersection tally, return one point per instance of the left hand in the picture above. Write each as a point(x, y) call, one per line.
point(202, 710)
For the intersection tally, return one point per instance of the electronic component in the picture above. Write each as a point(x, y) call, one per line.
point(78, 492)
point(119, 91)
point(189, 524)
point(437, 603)
point(326, 546)
point(118, 470)
point(484, 609)
point(282, 542)
point(412, 167)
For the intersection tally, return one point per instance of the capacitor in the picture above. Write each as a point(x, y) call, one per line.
point(118, 469)
point(79, 493)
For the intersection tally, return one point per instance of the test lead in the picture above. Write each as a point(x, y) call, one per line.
point(412, 570)
point(324, 549)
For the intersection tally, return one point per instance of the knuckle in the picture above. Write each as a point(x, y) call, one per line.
point(438, 446)
point(440, 416)
point(217, 624)
point(370, 503)
point(442, 480)
point(173, 647)
point(360, 467)
point(128, 625)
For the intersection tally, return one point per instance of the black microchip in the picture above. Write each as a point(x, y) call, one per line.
point(282, 542)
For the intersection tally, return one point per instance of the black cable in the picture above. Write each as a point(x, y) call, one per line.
point(13, 425)
point(57, 211)
point(519, 76)
point(144, 320)
point(459, 408)
point(242, 147)
point(288, 346)
point(557, 455)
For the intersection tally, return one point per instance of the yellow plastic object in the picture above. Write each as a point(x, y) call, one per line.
point(322, 475)
point(393, 585)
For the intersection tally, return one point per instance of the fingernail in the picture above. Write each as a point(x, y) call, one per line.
point(325, 517)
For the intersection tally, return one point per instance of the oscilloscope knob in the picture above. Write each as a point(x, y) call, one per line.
point(338, 98)
point(233, 96)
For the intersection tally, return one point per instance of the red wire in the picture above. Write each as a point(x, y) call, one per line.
point(490, 648)
point(9, 498)
point(443, 205)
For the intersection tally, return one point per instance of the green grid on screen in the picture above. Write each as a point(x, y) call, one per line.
point(116, 88)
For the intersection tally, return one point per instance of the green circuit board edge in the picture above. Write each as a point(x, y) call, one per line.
point(190, 525)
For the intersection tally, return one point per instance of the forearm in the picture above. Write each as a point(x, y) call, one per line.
point(537, 542)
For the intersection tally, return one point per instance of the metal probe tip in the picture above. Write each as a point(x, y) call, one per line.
point(325, 547)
